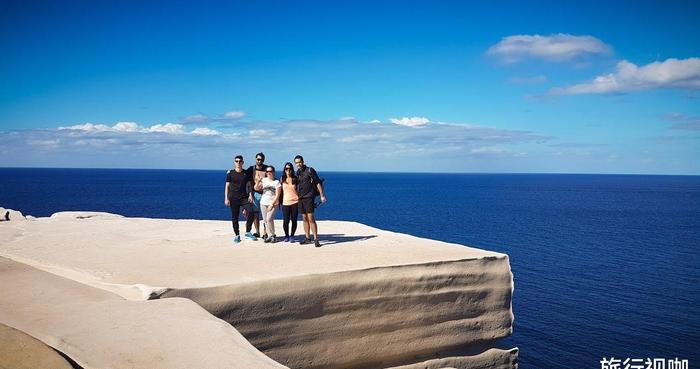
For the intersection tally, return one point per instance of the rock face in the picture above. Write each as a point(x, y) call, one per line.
point(367, 299)
point(367, 318)
point(19, 350)
point(9, 215)
point(99, 329)
point(492, 358)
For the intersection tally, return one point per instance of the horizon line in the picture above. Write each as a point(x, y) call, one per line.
point(370, 171)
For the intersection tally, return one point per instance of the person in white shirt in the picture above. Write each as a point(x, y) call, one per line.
point(269, 201)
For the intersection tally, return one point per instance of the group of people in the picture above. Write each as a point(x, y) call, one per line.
point(258, 193)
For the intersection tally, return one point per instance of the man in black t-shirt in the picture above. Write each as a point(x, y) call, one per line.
point(307, 185)
point(237, 196)
point(256, 172)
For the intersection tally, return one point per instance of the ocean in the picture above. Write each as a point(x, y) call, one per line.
point(604, 265)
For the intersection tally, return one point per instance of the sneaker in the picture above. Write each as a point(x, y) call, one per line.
point(264, 237)
point(272, 239)
point(237, 239)
point(304, 241)
point(250, 236)
point(292, 239)
point(256, 234)
point(316, 243)
point(286, 239)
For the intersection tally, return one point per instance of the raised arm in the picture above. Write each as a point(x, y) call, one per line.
point(258, 185)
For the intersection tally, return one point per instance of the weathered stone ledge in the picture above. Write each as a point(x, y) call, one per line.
point(85, 284)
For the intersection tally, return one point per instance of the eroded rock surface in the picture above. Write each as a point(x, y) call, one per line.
point(98, 329)
point(19, 350)
point(367, 299)
point(9, 215)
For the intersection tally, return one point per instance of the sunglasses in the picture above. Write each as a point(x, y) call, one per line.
point(259, 159)
point(287, 168)
point(269, 171)
point(238, 161)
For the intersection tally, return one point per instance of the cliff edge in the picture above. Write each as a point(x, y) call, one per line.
point(117, 292)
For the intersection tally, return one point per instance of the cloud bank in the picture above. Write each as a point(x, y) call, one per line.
point(404, 141)
point(555, 48)
point(131, 127)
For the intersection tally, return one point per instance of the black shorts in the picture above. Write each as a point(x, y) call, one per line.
point(237, 204)
point(306, 205)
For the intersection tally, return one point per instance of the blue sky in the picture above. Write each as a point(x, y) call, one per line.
point(594, 87)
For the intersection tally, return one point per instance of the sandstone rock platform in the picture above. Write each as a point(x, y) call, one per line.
point(368, 298)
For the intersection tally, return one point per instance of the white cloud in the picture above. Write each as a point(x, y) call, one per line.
point(167, 128)
point(410, 122)
point(671, 73)
point(87, 127)
point(203, 131)
point(234, 114)
point(557, 48)
point(126, 127)
point(375, 121)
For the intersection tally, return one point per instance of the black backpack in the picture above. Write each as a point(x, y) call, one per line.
point(322, 181)
point(313, 184)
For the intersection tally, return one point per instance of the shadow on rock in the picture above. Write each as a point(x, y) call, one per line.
point(334, 239)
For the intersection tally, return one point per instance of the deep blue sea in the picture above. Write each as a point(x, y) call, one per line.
point(604, 265)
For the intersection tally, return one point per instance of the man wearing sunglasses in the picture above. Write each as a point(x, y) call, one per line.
point(236, 196)
point(307, 185)
point(257, 173)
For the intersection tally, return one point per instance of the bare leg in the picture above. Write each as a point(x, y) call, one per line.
point(306, 225)
point(314, 228)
